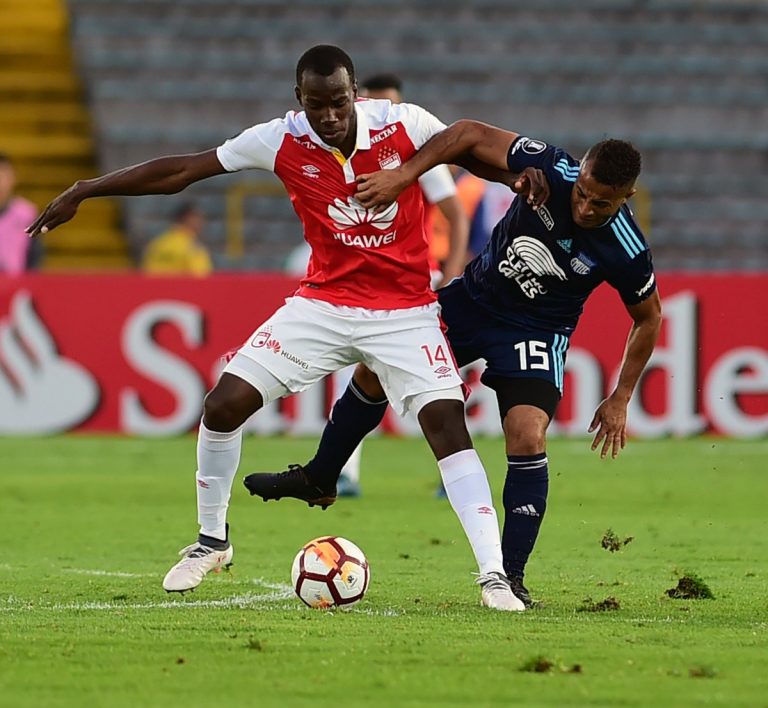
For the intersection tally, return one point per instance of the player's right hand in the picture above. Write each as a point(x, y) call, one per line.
point(532, 182)
point(58, 212)
point(378, 190)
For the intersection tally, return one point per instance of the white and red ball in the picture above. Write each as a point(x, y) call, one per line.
point(330, 571)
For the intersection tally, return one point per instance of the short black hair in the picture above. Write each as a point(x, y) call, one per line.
point(383, 82)
point(324, 59)
point(615, 163)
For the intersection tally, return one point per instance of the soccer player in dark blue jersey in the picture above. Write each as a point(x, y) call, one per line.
point(517, 304)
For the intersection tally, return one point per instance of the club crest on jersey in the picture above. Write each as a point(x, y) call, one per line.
point(389, 159)
point(581, 264)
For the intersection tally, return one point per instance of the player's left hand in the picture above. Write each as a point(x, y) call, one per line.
point(533, 184)
point(379, 189)
point(610, 422)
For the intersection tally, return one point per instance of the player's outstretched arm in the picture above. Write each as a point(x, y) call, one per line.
point(163, 175)
point(484, 142)
point(610, 419)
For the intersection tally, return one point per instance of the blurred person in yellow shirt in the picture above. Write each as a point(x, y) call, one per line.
point(178, 250)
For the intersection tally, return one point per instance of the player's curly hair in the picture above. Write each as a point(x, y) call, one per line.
point(615, 163)
point(324, 59)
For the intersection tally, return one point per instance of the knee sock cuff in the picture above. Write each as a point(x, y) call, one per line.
point(364, 397)
point(527, 462)
point(456, 466)
point(220, 440)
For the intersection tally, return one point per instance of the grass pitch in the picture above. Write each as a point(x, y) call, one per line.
point(91, 524)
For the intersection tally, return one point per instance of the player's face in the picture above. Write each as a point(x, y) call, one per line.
point(329, 103)
point(593, 203)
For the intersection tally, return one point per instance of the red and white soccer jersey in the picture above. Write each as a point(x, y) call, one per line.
point(359, 258)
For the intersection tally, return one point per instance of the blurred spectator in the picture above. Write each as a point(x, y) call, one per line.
point(178, 251)
point(17, 251)
point(493, 203)
point(449, 253)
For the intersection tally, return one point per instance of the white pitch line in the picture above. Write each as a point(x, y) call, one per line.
point(109, 573)
point(242, 602)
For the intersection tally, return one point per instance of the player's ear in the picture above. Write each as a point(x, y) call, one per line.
point(631, 193)
point(354, 89)
point(297, 92)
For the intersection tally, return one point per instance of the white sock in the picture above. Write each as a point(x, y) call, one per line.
point(470, 495)
point(218, 455)
point(352, 469)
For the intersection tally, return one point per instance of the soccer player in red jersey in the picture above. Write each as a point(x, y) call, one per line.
point(366, 297)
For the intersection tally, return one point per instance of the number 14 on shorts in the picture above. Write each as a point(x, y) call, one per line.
point(435, 355)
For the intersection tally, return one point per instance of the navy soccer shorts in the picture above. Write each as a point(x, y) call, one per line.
point(524, 366)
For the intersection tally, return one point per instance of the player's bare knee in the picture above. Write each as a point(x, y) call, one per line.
point(229, 404)
point(444, 427)
point(525, 430)
point(369, 383)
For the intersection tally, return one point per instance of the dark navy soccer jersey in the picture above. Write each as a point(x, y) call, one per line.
point(539, 267)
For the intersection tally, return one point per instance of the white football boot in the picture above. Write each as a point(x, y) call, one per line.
point(497, 594)
point(196, 563)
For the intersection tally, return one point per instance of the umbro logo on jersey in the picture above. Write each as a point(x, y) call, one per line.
point(565, 244)
point(443, 372)
point(311, 171)
point(526, 510)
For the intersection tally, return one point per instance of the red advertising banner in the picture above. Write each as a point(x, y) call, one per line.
point(135, 354)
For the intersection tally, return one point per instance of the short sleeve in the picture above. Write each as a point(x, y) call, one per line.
point(437, 184)
point(419, 123)
point(255, 148)
point(636, 281)
point(557, 165)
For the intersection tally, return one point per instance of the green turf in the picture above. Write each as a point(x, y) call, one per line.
point(91, 524)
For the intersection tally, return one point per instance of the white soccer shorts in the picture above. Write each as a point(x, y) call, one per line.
point(305, 340)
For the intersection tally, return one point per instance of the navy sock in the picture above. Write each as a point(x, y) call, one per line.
point(215, 543)
point(525, 501)
point(353, 416)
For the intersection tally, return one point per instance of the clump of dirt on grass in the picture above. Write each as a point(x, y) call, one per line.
point(538, 665)
point(702, 672)
point(608, 605)
point(690, 587)
point(542, 665)
point(611, 541)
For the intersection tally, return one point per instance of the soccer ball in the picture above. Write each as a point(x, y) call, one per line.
point(330, 572)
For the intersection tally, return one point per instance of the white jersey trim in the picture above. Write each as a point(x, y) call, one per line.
point(437, 184)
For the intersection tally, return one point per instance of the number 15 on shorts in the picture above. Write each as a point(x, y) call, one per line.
point(533, 355)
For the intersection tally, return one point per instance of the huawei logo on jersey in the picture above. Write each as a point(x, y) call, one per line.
point(353, 213)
